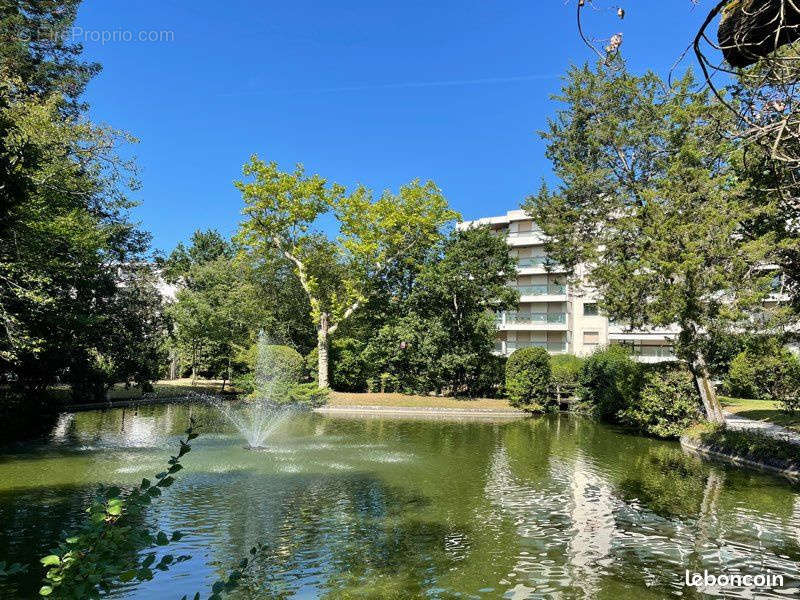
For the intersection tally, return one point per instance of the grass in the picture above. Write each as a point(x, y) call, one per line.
point(408, 401)
point(762, 410)
point(753, 445)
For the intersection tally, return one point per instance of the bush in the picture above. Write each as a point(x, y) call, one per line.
point(773, 374)
point(565, 369)
point(667, 405)
point(528, 378)
point(609, 381)
point(308, 394)
point(271, 370)
point(752, 445)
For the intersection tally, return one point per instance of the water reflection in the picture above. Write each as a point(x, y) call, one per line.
point(387, 508)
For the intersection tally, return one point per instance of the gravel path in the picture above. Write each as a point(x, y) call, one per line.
point(736, 422)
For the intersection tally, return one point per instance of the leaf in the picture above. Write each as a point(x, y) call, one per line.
point(145, 484)
point(166, 482)
point(175, 468)
point(113, 492)
point(128, 576)
point(45, 590)
point(149, 559)
point(52, 559)
point(162, 539)
point(161, 475)
point(177, 535)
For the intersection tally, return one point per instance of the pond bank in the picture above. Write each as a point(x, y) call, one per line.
point(420, 411)
point(745, 448)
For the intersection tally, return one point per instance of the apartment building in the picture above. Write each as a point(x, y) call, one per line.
point(553, 314)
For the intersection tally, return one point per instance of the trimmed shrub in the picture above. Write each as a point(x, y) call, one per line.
point(528, 379)
point(609, 381)
point(565, 370)
point(667, 405)
point(771, 375)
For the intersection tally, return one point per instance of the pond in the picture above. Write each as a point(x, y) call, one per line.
point(379, 507)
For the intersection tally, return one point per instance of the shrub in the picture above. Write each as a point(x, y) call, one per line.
point(609, 381)
point(528, 378)
point(307, 394)
point(773, 374)
point(271, 370)
point(752, 445)
point(667, 405)
point(565, 369)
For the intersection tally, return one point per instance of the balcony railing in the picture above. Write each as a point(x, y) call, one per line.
point(509, 347)
point(654, 352)
point(530, 318)
point(514, 234)
point(541, 290)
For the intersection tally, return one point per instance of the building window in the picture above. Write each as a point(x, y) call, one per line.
point(590, 309)
point(591, 338)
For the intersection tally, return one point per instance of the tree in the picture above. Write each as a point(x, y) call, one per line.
point(650, 201)
point(38, 52)
point(338, 276)
point(206, 246)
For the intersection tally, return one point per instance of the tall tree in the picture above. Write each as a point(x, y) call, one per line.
point(442, 337)
point(650, 202)
point(338, 275)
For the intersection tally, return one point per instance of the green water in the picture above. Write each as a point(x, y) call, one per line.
point(554, 507)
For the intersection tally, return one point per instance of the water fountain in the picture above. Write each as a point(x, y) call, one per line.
point(267, 408)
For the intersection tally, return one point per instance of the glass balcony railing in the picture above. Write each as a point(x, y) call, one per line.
point(533, 261)
point(530, 318)
point(509, 347)
point(516, 234)
point(552, 289)
point(654, 352)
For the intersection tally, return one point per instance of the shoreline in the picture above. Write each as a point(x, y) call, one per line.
point(433, 411)
point(695, 447)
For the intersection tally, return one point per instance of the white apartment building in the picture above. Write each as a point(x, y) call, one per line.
point(553, 314)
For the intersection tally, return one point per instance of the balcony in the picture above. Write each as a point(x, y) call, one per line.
point(506, 348)
point(537, 264)
point(543, 292)
point(651, 354)
point(532, 321)
point(524, 238)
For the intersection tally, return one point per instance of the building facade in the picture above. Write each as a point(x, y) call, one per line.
point(553, 314)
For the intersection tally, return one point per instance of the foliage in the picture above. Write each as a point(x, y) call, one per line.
point(38, 49)
point(308, 394)
point(769, 373)
point(651, 198)
point(206, 246)
point(109, 548)
point(609, 382)
point(349, 369)
point(667, 405)
point(565, 371)
point(528, 378)
point(377, 236)
point(440, 337)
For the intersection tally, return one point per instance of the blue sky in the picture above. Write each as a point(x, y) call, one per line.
point(375, 92)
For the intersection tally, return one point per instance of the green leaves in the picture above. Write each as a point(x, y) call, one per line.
point(106, 549)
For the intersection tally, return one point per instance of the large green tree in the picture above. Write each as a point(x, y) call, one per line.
point(650, 202)
point(67, 246)
point(339, 274)
point(441, 338)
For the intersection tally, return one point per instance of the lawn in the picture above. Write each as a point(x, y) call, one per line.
point(761, 410)
point(408, 401)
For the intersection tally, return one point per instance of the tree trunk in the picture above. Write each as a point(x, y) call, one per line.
point(707, 393)
point(322, 349)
